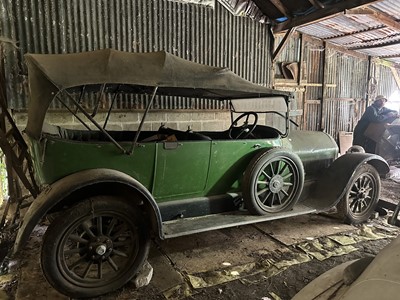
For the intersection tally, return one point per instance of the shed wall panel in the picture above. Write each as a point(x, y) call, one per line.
point(194, 32)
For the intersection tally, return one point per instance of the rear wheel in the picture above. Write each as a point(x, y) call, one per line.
point(273, 182)
point(95, 247)
point(362, 196)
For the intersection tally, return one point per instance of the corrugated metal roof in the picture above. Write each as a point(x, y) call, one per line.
point(353, 24)
point(349, 23)
point(382, 51)
point(390, 7)
point(366, 31)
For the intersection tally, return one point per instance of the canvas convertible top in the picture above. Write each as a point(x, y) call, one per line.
point(50, 73)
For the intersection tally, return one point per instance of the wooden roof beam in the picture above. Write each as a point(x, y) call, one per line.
point(282, 8)
point(321, 14)
point(283, 43)
point(316, 4)
point(378, 16)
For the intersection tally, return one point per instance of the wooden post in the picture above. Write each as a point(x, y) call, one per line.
point(321, 126)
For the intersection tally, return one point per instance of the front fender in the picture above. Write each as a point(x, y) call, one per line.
point(335, 181)
point(66, 186)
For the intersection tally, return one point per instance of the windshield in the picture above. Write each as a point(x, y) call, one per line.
point(272, 111)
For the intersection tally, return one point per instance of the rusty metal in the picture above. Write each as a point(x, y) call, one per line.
point(373, 30)
point(245, 8)
point(386, 81)
point(389, 7)
point(341, 114)
point(194, 32)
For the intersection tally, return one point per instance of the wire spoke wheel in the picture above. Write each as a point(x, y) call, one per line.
point(276, 183)
point(273, 182)
point(89, 256)
point(362, 195)
point(95, 247)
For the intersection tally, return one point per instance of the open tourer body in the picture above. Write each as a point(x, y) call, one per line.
point(109, 192)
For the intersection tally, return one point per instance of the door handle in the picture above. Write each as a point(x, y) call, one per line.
point(171, 145)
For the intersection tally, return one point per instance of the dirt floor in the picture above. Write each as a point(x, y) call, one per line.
point(266, 261)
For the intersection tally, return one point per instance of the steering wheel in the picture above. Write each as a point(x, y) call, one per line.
point(245, 129)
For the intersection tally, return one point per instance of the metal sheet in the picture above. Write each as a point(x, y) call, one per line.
point(289, 54)
point(389, 7)
point(386, 82)
point(195, 32)
point(313, 56)
point(358, 30)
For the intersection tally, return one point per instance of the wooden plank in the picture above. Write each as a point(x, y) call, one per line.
point(381, 17)
point(321, 126)
point(283, 43)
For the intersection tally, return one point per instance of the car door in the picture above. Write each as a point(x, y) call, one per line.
point(181, 169)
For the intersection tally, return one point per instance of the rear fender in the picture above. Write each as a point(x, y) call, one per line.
point(336, 180)
point(66, 187)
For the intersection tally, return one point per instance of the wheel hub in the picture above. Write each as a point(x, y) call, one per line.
point(276, 184)
point(100, 248)
point(362, 194)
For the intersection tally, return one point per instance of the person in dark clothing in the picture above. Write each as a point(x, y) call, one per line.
point(375, 113)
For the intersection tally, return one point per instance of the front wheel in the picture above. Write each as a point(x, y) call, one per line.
point(273, 182)
point(95, 247)
point(361, 197)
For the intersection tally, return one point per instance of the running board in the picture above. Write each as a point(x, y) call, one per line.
point(186, 226)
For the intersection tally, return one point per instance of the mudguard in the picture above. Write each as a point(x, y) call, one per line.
point(64, 187)
point(334, 182)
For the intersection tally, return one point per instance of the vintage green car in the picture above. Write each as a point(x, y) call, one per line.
point(111, 192)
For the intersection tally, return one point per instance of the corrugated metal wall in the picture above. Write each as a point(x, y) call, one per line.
point(386, 83)
point(313, 69)
point(194, 32)
point(289, 54)
point(341, 114)
point(345, 76)
point(346, 72)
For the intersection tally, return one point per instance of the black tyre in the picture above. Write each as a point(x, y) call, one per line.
point(361, 197)
point(273, 182)
point(95, 247)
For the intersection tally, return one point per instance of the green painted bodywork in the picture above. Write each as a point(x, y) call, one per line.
point(169, 170)
point(316, 149)
point(194, 174)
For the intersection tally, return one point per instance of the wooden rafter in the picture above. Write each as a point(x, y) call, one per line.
point(282, 44)
point(282, 8)
point(381, 17)
point(323, 13)
point(316, 4)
